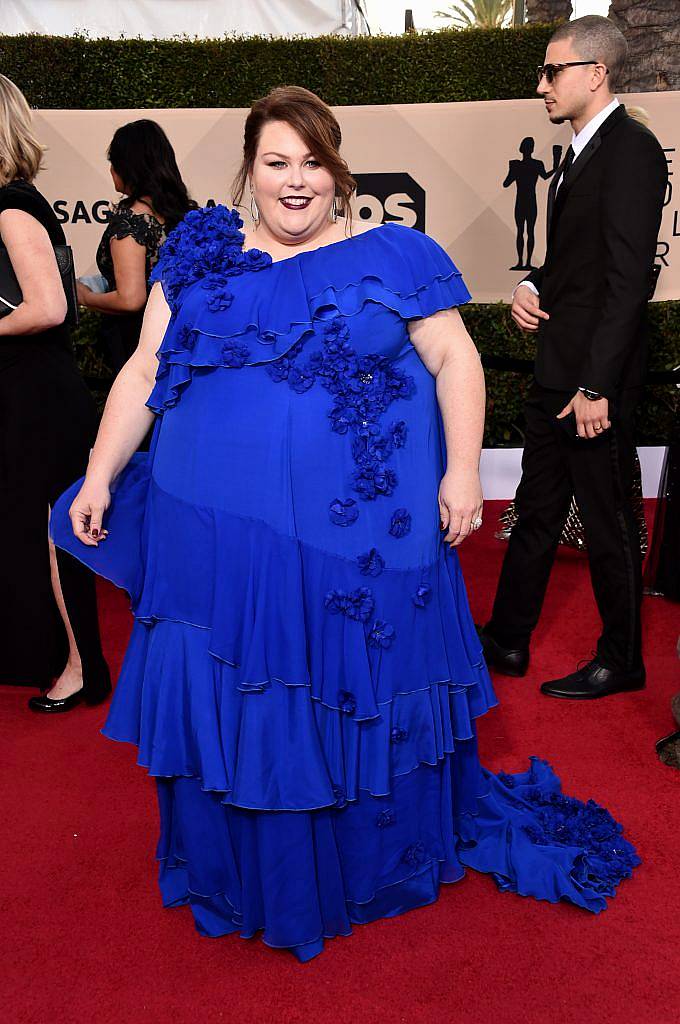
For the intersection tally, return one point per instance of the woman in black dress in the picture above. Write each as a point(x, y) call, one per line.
point(144, 170)
point(47, 425)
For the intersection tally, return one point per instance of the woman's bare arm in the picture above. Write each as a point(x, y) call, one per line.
point(129, 267)
point(448, 352)
point(35, 265)
point(125, 422)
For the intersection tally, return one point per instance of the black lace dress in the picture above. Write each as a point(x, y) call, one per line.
point(120, 331)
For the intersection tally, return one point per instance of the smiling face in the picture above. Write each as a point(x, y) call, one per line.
point(576, 93)
point(293, 192)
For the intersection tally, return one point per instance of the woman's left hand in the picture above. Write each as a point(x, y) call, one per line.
point(82, 293)
point(460, 504)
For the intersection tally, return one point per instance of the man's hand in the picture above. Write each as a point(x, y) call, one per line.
point(526, 310)
point(592, 418)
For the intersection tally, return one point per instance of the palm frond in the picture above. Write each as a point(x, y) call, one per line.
point(478, 13)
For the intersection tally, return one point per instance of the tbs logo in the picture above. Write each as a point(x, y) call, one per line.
point(385, 197)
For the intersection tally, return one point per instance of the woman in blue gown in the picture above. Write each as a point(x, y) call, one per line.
point(303, 675)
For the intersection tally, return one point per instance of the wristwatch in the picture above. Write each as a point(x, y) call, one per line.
point(592, 396)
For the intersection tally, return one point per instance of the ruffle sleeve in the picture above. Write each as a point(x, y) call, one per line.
point(408, 272)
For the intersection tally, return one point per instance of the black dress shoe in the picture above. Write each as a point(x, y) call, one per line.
point(509, 661)
point(96, 690)
point(53, 707)
point(594, 680)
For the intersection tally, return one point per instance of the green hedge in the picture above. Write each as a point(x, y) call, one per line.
point(433, 67)
point(495, 334)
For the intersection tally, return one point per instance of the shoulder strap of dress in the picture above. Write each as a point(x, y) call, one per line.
point(17, 196)
point(21, 196)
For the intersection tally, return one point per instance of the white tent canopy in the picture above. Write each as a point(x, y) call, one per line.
point(162, 19)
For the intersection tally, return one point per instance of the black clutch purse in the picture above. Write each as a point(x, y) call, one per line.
point(10, 292)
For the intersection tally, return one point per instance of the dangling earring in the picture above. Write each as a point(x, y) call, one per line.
point(254, 212)
point(334, 210)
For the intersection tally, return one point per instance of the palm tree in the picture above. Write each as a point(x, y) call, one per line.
point(651, 28)
point(545, 12)
point(479, 13)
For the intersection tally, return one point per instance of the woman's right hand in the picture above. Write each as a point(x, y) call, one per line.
point(87, 512)
point(83, 294)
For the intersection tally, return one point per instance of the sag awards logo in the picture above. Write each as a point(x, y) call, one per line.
point(98, 212)
point(380, 198)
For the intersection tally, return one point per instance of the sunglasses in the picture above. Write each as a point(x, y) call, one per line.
point(551, 70)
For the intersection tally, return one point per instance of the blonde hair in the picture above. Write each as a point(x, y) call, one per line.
point(639, 114)
point(20, 152)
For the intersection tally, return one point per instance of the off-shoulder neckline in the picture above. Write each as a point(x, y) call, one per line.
point(329, 245)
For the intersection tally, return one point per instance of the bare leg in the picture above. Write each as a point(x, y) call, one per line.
point(519, 221)
point(71, 679)
point(531, 223)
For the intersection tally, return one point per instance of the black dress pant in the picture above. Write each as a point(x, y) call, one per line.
point(598, 472)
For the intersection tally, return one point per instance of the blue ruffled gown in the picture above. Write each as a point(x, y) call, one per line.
point(303, 675)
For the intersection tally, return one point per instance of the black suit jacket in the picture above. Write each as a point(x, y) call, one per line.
point(603, 224)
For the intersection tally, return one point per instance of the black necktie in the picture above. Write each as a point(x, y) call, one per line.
point(558, 181)
point(568, 161)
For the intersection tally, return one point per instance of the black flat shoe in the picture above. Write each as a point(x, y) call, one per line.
point(95, 690)
point(47, 705)
point(593, 681)
point(507, 660)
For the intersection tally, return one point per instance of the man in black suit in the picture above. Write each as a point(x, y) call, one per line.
point(587, 304)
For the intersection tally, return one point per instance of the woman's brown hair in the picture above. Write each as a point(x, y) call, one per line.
point(314, 122)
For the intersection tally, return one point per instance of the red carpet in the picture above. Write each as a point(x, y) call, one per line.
point(85, 937)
